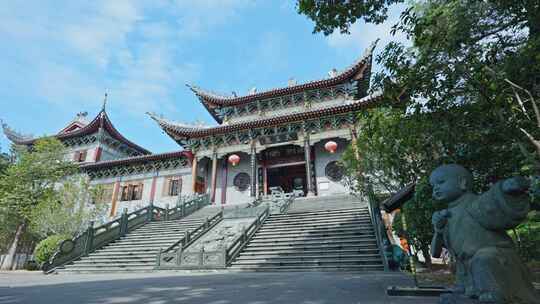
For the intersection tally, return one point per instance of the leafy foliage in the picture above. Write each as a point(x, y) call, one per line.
point(47, 247)
point(417, 212)
point(329, 15)
point(31, 180)
point(69, 211)
point(454, 111)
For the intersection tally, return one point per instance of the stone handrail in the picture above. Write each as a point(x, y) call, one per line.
point(94, 238)
point(241, 241)
point(380, 231)
point(216, 259)
point(192, 236)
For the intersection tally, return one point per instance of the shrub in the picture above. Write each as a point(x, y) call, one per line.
point(47, 247)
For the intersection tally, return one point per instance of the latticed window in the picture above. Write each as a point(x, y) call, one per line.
point(172, 186)
point(132, 192)
point(80, 156)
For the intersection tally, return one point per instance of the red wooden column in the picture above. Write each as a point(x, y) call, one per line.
point(97, 154)
point(114, 199)
point(213, 179)
point(194, 174)
point(225, 172)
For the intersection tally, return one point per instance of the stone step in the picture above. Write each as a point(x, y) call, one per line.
point(316, 246)
point(107, 265)
point(169, 225)
point(314, 228)
point(315, 223)
point(308, 233)
point(342, 267)
point(172, 237)
point(304, 215)
point(326, 221)
point(314, 240)
point(127, 262)
point(336, 209)
point(309, 257)
point(272, 253)
point(122, 250)
point(137, 246)
point(165, 230)
point(148, 241)
point(108, 270)
point(120, 257)
point(312, 262)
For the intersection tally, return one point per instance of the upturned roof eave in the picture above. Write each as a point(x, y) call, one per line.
point(101, 119)
point(177, 131)
point(212, 100)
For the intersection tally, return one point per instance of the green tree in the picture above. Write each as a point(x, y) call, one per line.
point(28, 182)
point(455, 111)
point(70, 210)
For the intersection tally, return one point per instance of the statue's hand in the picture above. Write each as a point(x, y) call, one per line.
point(439, 219)
point(515, 185)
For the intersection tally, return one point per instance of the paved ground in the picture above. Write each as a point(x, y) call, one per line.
point(213, 287)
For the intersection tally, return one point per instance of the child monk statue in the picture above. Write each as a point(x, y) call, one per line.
point(473, 228)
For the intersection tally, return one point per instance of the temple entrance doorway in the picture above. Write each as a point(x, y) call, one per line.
point(289, 178)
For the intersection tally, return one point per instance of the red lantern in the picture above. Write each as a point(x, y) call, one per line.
point(234, 159)
point(330, 146)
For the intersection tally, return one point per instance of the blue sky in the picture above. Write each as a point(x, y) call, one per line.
point(60, 57)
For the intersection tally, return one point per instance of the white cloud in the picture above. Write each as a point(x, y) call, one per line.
point(197, 17)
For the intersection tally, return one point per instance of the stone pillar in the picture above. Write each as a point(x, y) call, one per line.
point(307, 156)
point(194, 174)
point(213, 179)
point(153, 188)
point(253, 170)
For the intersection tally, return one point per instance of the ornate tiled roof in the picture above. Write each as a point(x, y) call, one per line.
point(101, 120)
point(179, 130)
point(138, 160)
point(356, 71)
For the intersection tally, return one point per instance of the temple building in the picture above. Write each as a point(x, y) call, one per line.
point(286, 139)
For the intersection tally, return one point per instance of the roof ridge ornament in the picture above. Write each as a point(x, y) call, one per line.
point(104, 102)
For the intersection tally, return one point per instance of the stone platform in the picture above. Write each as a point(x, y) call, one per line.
point(204, 287)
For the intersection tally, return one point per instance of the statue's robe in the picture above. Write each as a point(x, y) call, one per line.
point(475, 234)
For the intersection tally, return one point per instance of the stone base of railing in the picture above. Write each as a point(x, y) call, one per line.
point(193, 260)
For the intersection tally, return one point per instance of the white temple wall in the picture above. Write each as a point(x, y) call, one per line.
point(325, 186)
point(146, 179)
point(235, 196)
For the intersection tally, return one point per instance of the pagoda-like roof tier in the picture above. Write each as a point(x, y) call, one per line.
point(101, 120)
point(142, 159)
point(179, 130)
point(357, 71)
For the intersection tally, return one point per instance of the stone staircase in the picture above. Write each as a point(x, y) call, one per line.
point(317, 234)
point(137, 250)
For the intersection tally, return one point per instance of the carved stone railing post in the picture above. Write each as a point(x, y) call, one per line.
point(188, 236)
point(89, 238)
point(158, 258)
point(150, 214)
point(124, 222)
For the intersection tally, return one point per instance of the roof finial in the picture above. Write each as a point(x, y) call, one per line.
point(104, 102)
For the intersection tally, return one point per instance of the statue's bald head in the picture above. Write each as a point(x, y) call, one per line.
point(450, 181)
